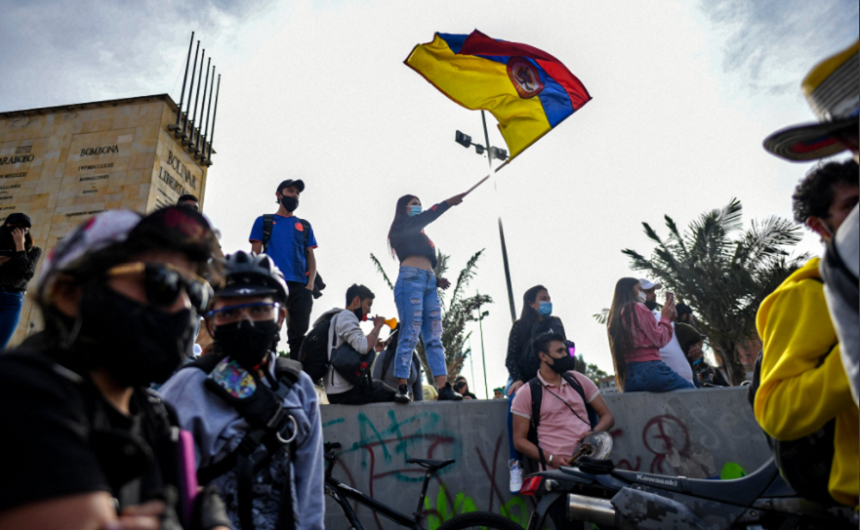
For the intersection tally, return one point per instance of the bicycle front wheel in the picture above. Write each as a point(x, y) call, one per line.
point(480, 520)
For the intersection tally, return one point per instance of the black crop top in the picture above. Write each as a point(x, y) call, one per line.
point(407, 234)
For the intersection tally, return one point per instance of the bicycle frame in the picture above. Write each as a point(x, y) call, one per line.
point(343, 493)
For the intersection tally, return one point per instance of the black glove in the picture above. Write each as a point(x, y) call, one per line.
point(209, 510)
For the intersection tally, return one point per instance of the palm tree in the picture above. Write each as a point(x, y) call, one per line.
point(457, 310)
point(724, 279)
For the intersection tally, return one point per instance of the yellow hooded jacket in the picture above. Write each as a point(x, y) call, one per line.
point(801, 390)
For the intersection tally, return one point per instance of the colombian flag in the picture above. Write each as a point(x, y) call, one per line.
point(528, 91)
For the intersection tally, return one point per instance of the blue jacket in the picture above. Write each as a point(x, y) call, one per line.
point(218, 429)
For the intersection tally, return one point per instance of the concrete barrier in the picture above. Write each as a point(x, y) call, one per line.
point(695, 433)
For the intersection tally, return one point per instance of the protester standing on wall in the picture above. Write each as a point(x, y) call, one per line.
point(290, 242)
point(18, 260)
point(635, 340)
point(416, 295)
point(522, 364)
point(190, 201)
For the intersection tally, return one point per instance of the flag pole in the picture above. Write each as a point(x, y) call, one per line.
point(501, 229)
point(483, 355)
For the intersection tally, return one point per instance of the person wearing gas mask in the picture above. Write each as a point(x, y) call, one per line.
point(18, 260)
point(89, 445)
point(290, 242)
point(346, 338)
point(255, 417)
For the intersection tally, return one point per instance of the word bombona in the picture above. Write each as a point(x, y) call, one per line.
point(103, 150)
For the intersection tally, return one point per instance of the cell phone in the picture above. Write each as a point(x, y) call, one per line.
point(670, 295)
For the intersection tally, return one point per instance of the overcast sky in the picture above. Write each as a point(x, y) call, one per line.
point(684, 93)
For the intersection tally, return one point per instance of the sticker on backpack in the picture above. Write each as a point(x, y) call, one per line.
point(230, 376)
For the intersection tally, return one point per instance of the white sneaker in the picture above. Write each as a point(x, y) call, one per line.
point(516, 476)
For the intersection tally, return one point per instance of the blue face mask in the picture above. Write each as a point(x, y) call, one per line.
point(545, 308)
point(414, 210)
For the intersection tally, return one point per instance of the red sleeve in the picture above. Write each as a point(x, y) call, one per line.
point(657, 333)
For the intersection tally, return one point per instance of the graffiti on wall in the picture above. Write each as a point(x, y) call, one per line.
point(380, 444)
point(384, 450)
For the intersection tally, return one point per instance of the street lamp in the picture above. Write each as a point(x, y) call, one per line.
point(494, 152)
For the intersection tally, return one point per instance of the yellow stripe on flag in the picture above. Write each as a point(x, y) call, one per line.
point(478, 83)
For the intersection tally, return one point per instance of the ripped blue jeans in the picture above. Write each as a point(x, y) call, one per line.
point(420, 313)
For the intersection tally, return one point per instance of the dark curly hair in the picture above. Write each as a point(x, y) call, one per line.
point(814, 195)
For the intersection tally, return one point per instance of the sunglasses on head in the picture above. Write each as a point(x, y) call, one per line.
point(164, 283)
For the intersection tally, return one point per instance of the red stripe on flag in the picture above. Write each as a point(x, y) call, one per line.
point(479, 44)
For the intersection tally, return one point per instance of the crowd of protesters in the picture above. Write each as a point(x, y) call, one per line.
point(122, 298)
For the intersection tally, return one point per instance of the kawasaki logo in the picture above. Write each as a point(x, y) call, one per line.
point(655, 480)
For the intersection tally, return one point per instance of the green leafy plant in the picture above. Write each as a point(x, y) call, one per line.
point(722, 272)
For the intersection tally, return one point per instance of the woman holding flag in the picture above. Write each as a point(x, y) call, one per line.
point(415, 292)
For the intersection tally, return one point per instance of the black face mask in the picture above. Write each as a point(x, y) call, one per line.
point(136, 344)
point(290, 203)
point(359, 313)
point(565, 364)
point(246, 342)
point(651, 304)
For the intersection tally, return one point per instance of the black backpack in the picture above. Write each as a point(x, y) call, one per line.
point(529, 363)
point(804, 463)
point(536, 389)
point(268, 222)
point(313, 353)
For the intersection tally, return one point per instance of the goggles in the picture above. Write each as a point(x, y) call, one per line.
point(163, 284)
point(257, 311)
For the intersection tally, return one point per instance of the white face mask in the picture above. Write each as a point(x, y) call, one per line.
point(642, 297)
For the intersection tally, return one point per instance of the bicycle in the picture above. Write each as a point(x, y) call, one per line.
point(342, 493)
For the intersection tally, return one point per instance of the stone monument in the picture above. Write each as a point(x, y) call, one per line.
point(60, 165)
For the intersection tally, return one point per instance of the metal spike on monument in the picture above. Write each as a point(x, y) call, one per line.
point(183, 135)
point(214, 114)
point(201, 153)
point(190, 139)
point(175, 126)
point(203, 105)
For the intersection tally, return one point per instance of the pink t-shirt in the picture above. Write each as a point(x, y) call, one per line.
point(648, 336)
point(559, 430)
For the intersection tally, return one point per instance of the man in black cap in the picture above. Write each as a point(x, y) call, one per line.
point(290, 242)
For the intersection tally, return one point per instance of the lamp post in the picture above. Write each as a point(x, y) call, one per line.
point(499, 154)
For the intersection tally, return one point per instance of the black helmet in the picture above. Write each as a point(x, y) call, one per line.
point(251, 274)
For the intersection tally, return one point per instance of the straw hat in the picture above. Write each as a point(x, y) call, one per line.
point(832, 89)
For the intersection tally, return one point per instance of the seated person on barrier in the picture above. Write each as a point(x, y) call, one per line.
point(563, 419)
point(691, 343)
point(383, 367)
point(345, 338)
point(254, 417)
point(803, 386)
